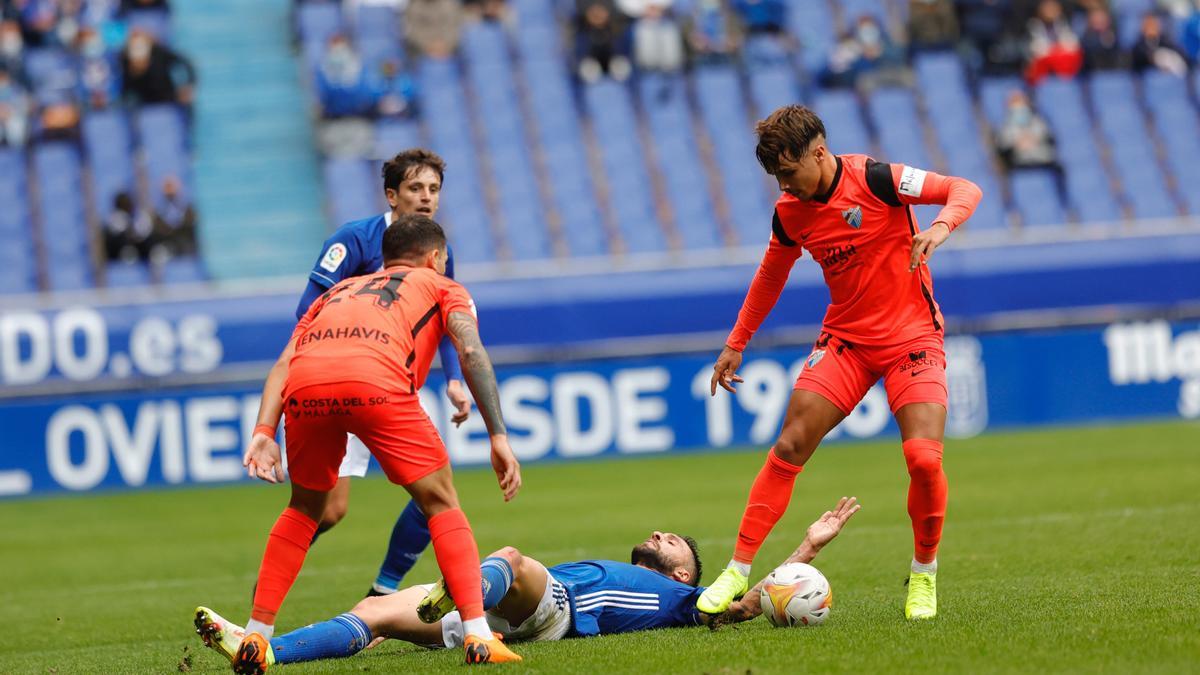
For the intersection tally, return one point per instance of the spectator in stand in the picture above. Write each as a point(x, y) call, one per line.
point(14, 111)
point(395, 91)
point(174, 224)
point(99, 82)
point(601, 45)
point(1101, 46)
point(1156, 50)
point(128, 5)
point(932, 25)
point(341, 82)
point(865, 58)
point(713, 32)
point(1024, 140)
point(985, 25)
point(433, 27)
point(154, 73)
point(127, 231)
point(1190, 34)
point(657, 39)
point(12, 49)
point(1053, 47)
point(762, 16)
point(58, 120)
point(38, 21)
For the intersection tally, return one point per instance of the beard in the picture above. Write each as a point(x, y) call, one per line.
point(648, 556)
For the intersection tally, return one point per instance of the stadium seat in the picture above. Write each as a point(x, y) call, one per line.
point(773, 87)
point(183, 270)
point(993, 97)
point(353, 189)
point(615, 124)
point(318, 20)
point(664, 101)
point(109, 151)
point(1035, 193)
point(850, 134)
point(812, 25)
point(719, 94)
point(127, 275)
point(901, 138)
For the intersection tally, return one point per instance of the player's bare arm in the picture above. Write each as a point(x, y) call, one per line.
point(819, 534)
point(263, 458)
point(481, 378)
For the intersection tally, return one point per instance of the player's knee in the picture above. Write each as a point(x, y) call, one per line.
point(511, 554)
point(923, 463)
point(334, 513)
point(793, 445)
point(370, 609)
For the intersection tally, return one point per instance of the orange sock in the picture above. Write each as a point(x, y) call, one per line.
point(286, 547)
point(769, 498)
point(927, 493)
point(458, 559)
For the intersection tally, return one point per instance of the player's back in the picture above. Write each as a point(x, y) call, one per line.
point(613, 597)
point(381, 328)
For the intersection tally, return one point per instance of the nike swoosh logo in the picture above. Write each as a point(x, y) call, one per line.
point(918, 372)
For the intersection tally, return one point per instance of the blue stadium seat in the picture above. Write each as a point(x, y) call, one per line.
point(394, 135)
point(317, 20)
point(127, 275)
point(444, 110)
point(184, 270)
point(812, 24)
point(1175, 120)
point(719, 93)
point(18, 268)
point(157, 22)
point(773, 87)
point(849, 134)
point(615, 125)
point(109, 152)
point(894, 113)
point(1036, 195)
point(162, 133)
point(664, 100)
point(52, 72)
point(354, 190)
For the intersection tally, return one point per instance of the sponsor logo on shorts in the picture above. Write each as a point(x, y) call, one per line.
point(917, 363)
point(814, 358)
point(332, 407)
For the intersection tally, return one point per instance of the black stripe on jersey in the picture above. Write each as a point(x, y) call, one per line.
point(777, 228)
point(879, 180)
point(912, 226)
point(437, 307)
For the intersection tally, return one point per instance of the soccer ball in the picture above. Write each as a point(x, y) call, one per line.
point(795, 594)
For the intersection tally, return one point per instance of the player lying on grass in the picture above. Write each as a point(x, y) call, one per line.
point(526, 601)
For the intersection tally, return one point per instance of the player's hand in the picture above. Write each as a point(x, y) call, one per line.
point(925, 242)
point(376, 642)
point(725, 370)
point(830, 523)
point(263, 460)
point(459, 399)
point(508, 469)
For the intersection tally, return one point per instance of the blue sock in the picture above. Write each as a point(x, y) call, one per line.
point(497, 578)
point(410, 537)
point(340, 636)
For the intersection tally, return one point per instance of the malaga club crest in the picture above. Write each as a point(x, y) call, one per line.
point(853, 217)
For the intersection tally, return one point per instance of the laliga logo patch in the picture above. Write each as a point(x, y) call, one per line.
point(853, 217)
point(814, 358)
point(333, 257)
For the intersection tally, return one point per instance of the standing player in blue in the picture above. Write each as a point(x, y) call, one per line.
point(412, 183)
point(526, 601)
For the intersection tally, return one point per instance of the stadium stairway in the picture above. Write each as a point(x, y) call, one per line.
point(257, 176)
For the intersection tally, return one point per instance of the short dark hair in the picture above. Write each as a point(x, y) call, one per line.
point(786, 133)
point(398, 168)
point(696, 556)
point(411, 236)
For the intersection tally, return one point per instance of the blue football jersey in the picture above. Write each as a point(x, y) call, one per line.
point(355, 249)
point(611, 597)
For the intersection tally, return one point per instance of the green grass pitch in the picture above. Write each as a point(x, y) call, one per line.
point(1064, 550)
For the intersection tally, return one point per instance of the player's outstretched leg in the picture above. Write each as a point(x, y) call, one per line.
point(218, 633)
point(458, 558)
point(927, 496)
point(410, 537)
point(498, 577)
point(810, 416)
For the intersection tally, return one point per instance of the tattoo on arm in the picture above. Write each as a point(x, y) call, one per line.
point(477, 370)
